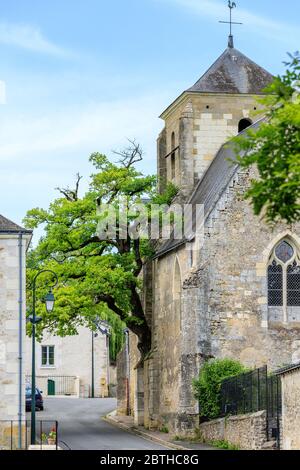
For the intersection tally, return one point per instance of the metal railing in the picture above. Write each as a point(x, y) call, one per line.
point(245, 393)
point(55, 384)
point(15, 435)
point(251, 392)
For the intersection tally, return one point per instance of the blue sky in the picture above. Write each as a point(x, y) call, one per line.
point(84, 75)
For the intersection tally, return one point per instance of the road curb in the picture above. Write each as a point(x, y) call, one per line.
point(143, 434)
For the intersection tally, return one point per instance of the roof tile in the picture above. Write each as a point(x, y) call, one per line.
point(233, 72)
point(7, 225)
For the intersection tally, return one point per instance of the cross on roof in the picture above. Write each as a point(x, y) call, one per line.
point(231, 6)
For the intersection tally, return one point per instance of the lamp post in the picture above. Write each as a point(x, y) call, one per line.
point(104, 328)
point(49, 301)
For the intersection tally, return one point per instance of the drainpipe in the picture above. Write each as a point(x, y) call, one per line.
point(107, 364)
point(20, 357)
point(126, 332)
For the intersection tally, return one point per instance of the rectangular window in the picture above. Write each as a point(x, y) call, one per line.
point(173, 165)
point(47, 356)
point(275, 285)
point(293, 285)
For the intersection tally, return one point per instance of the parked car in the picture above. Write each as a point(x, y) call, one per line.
point(39, 402)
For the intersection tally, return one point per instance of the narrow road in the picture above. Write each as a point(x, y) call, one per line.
point(81, 425)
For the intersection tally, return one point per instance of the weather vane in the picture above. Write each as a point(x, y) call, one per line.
point(231, 6)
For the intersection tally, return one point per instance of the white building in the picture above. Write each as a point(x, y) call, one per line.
point(14, 241)
point(67, 365)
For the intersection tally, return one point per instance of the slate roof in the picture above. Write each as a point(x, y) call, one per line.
point(211, 187)
point(233, 72)
point(7, 226)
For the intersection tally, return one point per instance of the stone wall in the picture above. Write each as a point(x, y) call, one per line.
point(220, 307)
point(210, 302)
point(232, 274)
point(290, 382)
point(122, 395)
point(247, 432)
point(201, 124)
point(10, 433)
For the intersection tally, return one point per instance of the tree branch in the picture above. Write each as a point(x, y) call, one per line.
point(130, 155)
point(138, 259)
point(110, 302)
point(71, 194)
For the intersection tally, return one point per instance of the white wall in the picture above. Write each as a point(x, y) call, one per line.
point(73, 357)
point(9, 326)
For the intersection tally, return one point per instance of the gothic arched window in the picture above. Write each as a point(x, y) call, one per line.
point(244, 123)
point(284, 278)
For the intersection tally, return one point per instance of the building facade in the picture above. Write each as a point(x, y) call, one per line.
point(234, 291)
point(290, 428)
point(73, 365)
point(14, 241)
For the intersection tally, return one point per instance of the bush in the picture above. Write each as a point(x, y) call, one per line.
point(225, 445)
point(207, 387)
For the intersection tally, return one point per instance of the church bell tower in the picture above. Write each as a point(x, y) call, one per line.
point(222, 103)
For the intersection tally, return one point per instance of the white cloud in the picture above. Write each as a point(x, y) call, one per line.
point(99, 126)
point(28, 37)
point(217, 10)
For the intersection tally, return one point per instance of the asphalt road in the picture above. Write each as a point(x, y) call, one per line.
point(80, 425)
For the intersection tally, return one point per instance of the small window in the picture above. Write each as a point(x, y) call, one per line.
point(173, 163)
point(275, 285)
point(243, 124)
point(47, 356)
point(293, 285)
point(173, 156)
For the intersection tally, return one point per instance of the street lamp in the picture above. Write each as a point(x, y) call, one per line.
point(49, 301)
point(126, 333)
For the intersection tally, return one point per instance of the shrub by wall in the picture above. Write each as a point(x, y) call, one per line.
point(208, 385)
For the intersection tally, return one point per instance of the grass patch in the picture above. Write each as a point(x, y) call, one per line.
point(225, 445)
point(197, 437)
point(164, 429)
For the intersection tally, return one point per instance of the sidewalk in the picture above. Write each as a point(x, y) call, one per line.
point(126, 423)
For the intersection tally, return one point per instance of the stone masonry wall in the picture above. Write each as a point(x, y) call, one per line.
point(235, 257)
point(9, 327)
point(122, 405)
point(247, 432)
point(291, 410)
point(221, 310)
point(201, 124)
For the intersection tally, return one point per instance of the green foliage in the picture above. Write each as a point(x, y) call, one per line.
point(225, 445)
point(275, 150)
point(164, 429)
point(167, 196)
point(207, 386)
point(98, 278)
